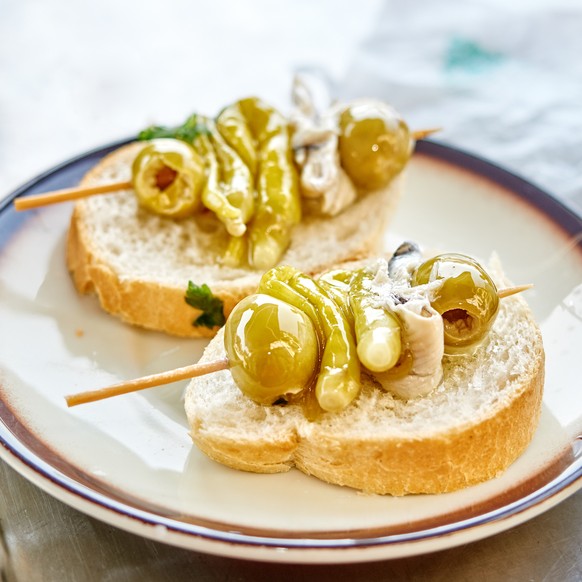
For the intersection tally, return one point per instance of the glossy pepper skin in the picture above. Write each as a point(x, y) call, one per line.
point(338, 382)
point(374, 143)
point(234, 128)
point(467, 298)
point(168, 176)
point(275, 282)
point(336, 284)
point(213, 194)
point(236, 179)
point(278, 201)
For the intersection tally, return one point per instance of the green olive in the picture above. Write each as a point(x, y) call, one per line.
point(168, 176)
point(467, 298)
point(374, 143)
point(272, 349)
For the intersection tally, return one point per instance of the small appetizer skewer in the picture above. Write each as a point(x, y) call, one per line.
point(300, 336)
point(164, 179)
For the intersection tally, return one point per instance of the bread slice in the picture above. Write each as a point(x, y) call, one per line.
point(468, 430)
point(139, 264)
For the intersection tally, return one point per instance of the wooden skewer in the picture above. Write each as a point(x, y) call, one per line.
point(422, 133)
point(508, 291)
point(187, 372)
point(147, 382)
point(57, 196)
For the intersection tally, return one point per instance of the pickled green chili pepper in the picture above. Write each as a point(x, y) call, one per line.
point(272, 349)
point(378, 332)
point(467, 298)
point(168, 176)
point(336, 284)
point(234, 129)
point(229, 191)
point(338, 383)
point(275, 282)
point(374, 143)
point(213, 196)
point(236, 179)
point(278, 201)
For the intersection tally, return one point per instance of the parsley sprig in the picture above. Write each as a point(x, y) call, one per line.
point(187, 132)
point(201, 297)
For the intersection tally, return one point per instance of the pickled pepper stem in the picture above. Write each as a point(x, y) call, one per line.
point(57, 196)
point(128, 386)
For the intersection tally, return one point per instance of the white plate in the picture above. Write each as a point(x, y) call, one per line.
point(129, 461)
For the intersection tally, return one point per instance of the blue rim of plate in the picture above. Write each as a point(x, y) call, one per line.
point(569, 477)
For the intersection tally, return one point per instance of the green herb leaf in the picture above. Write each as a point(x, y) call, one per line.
point(201, 297)
point(187, 132)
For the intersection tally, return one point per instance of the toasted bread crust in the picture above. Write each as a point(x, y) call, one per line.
point(154, 304)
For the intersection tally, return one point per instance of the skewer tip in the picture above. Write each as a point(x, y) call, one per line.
point(185, 373)
point(508, 291)
point(67, 194)
point(422, 133)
